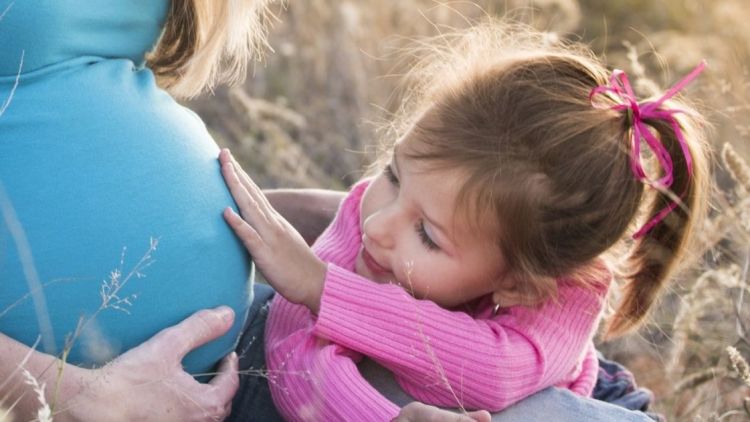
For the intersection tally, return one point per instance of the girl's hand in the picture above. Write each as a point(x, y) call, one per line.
point(148, 382)
point(282, 255)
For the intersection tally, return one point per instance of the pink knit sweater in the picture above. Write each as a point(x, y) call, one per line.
point(471, 357)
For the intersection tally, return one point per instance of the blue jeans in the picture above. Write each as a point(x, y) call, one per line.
point(562, 405)
point(253, 399)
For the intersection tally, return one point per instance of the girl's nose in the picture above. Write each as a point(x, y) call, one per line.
point(380, 227)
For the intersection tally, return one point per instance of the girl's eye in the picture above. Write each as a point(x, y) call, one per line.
point(426, 240)
point(390, 175)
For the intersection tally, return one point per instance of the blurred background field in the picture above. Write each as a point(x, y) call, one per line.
point(311, 113)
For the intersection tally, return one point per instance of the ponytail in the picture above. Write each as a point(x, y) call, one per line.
point(654, 255)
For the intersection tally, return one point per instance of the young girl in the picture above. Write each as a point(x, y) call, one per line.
point(473, 264)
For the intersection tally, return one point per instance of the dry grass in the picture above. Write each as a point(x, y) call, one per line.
point(311, 116)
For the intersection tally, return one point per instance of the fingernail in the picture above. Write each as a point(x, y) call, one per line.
point(226, 313)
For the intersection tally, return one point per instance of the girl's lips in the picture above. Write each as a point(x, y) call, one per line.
point(372, 264)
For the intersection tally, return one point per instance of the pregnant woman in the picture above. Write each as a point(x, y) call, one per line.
point(110, 194)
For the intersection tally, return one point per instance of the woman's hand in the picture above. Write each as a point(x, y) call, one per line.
point(148, 382)
point(283, 256)
point(420, 412)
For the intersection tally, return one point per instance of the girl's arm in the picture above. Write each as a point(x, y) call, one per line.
point(312, 379)
point(147, 383)
point(452, 359)
point(280, 251)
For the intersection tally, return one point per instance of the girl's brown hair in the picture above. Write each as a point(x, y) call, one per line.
point(545, 168)
point(206, 42)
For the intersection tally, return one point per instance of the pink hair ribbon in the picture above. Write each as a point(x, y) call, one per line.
point(619, 86)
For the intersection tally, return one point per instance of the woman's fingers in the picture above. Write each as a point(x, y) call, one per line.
point(226, 382)
point(153, 379)
point(193, 332)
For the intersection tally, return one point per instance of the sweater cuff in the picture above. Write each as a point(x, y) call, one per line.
point(346, 301)
point(332, 300)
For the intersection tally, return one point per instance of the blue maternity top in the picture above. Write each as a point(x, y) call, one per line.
point(110, 191)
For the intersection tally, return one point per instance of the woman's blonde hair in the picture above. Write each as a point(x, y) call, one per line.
point(550, 172)
point(206, 42)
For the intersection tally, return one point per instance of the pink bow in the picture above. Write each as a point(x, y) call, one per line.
point(620, 87)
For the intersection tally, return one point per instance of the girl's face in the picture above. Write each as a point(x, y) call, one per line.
point(410, 236)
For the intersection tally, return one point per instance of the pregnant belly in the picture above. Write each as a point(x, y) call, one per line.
point(112, 228)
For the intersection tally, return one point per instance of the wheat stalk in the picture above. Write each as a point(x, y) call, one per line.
point(737, 166)
point(44, 413)
point(739, 364)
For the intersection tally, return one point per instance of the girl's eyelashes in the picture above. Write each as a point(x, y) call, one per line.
point(419, 226)
point(426, 240)
point(390, 175)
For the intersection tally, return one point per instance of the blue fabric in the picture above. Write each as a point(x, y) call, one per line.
point(95, 160)
point(54, 31)
point(562, 405)
point(550, 404)
point(615, 384)
point(253, 400)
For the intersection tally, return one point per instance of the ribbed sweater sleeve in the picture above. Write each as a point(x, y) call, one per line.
point(311, 378)
point(450, 358)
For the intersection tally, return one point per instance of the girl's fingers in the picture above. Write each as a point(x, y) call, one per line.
point(247, 234)
point(252, 210)
point(247, 182)
point(480, 416)
point(226, 157)
point(230, 167)
point(253, 204)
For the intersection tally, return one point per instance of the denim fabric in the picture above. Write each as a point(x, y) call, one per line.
point(253, 400)
point(562, 405)
point(615, 384)
point(551, 404)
